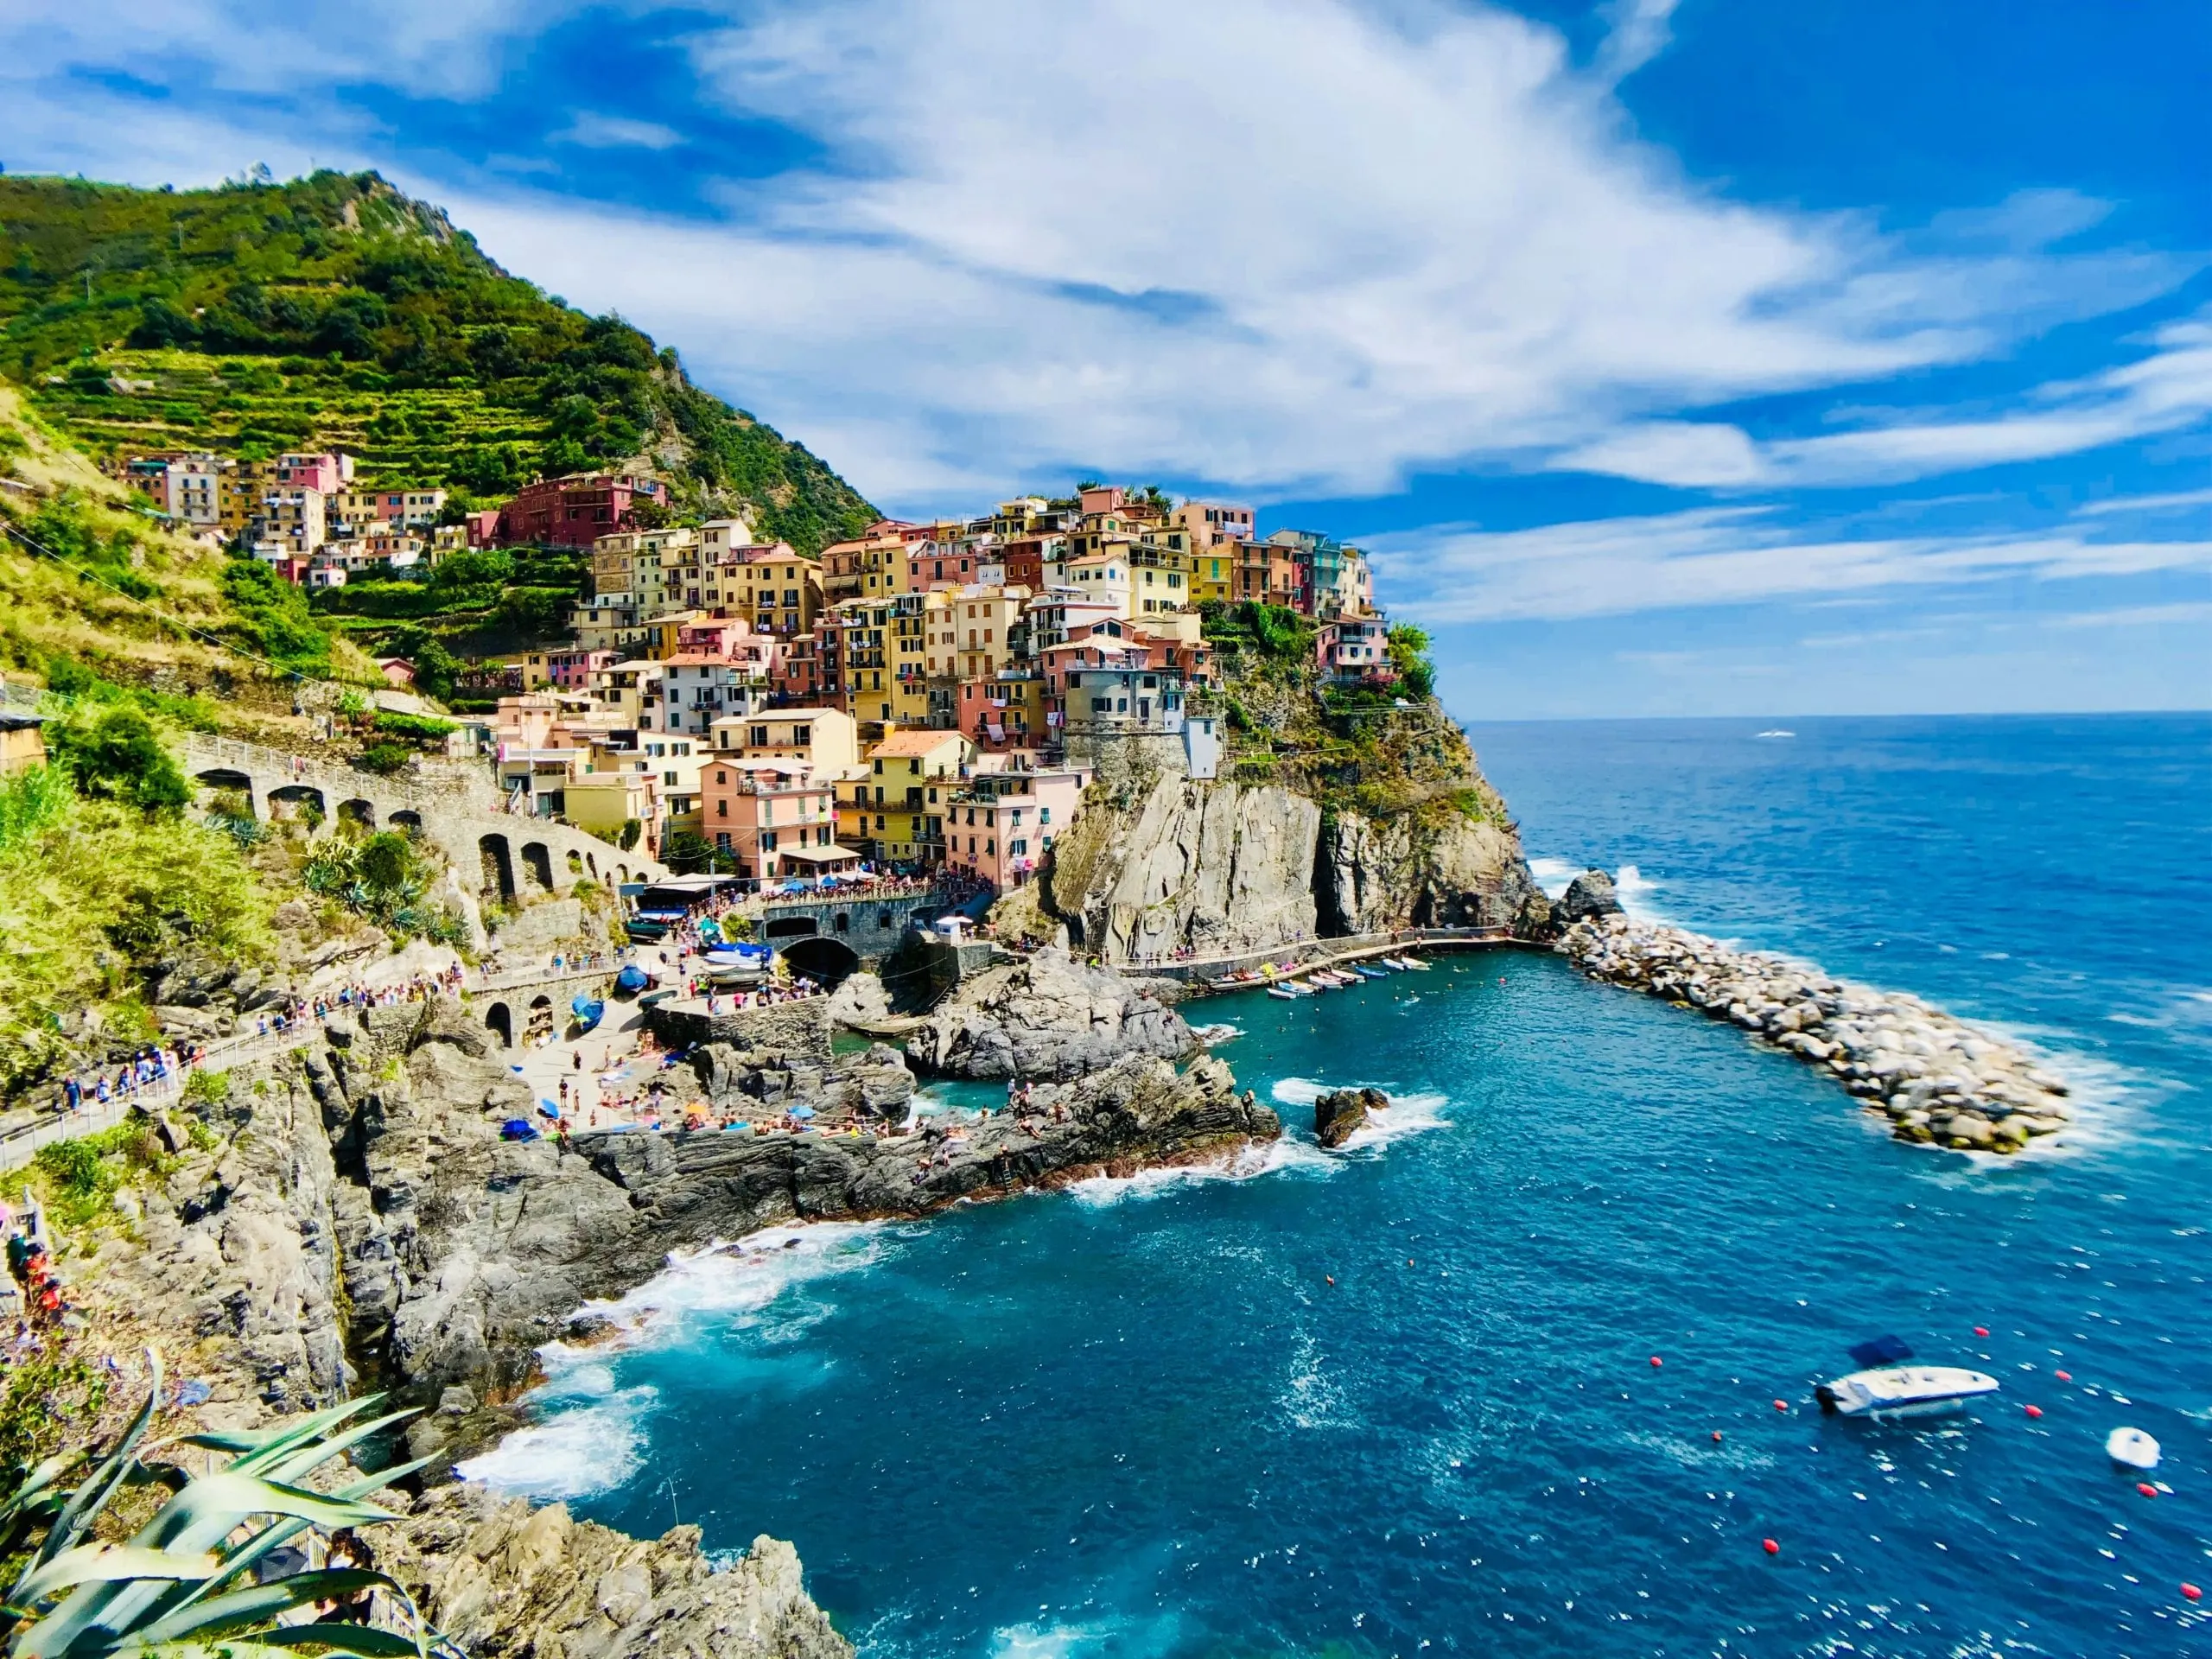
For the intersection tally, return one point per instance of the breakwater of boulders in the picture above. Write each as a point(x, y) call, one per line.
point(1939, 1081)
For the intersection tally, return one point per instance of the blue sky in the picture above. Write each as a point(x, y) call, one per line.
point(1673, 356)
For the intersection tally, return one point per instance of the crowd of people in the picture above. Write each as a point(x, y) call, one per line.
point(156, 1069)
point(29, 1265)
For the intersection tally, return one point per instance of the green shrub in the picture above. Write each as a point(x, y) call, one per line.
point(113, 753)
point(386, 758)
point(208, 1087)
point(421, 727)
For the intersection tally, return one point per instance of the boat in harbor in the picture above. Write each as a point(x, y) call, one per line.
point(1906, 1391)
point(1282, 993)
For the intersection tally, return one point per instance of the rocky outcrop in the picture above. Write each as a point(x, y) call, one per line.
point(1341, 1113)
point(693, 1189)
point(1588, 897)
point(1047, 1017)
point(875, 1086)
point(234, 1269)
point(859, 1000)
point(502, 1578)
point(1936, 1078)
point(1431, 868)
point(1215, 868)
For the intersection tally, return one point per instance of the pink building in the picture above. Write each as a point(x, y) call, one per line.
point(1354, 648)
point(328, 473)
point(773, 817)
point(1002, 828)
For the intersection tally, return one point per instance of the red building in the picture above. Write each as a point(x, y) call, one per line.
point(576, 510)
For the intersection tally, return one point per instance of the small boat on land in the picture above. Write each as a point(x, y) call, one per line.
point(632, 980)
point(588, 1011)
point(1906, 1391)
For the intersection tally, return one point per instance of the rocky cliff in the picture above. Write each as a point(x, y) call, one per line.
point(1218, 868)
point(348, 1215)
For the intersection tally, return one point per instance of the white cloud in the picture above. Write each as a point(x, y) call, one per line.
point(1639, 33)
point(2173, 501)
point(617, 132)
point(1717, 557)
point(1284, 245)
point(2169, 389)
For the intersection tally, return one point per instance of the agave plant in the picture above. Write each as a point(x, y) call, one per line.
point(184, 1583)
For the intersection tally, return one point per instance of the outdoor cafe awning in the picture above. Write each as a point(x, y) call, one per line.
point(831, 855)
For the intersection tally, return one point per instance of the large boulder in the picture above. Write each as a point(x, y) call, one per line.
point(1590, 894)
point(1048, 1017)
point(1341, 1113)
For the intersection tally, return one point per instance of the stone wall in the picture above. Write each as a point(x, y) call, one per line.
point(799, 1029)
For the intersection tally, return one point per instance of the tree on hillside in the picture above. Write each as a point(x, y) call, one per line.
point(113, 753)
point(1408, 648)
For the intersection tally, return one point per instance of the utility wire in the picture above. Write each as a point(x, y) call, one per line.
point(180, 626)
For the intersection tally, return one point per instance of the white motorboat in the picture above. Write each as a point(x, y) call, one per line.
point(1906, 1391)
point(1282, 993)
point(1416, 963)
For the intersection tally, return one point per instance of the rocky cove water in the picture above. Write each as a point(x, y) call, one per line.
point(1135, 1418)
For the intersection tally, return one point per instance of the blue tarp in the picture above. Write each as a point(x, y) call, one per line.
point(1881, 1351)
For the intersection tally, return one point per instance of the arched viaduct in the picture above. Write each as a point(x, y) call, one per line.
point(455, 808)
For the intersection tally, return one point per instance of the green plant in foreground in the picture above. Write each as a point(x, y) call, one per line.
point(184, 1583)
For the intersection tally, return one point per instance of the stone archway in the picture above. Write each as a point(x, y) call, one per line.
point(225, 780)
point(302, 801)
point(575, 864)
point(791, 927)
point(500, 1023)
point(825, 961)
point(359, 812)
point(406, 819)
point(498, 867)
point(539, 863)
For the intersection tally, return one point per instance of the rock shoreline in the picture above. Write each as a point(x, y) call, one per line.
point(1937, 1079)
point(356, 1220)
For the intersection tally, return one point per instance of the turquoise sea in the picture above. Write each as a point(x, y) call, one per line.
point(1138, 1419)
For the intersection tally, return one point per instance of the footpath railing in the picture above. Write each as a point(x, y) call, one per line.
point(1317, 953)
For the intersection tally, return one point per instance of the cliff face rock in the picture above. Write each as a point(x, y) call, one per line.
point(502, 1578)
point(1219, 867)
point(234, 1271)
point(1224, 868)
point(1419, 870)
point(1048, 1017)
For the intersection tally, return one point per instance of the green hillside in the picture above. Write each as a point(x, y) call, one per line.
point(333, 311)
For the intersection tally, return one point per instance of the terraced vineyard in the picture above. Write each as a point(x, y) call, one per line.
point(335, 310)
point(178, 400)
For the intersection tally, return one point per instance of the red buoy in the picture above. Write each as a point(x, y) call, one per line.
point(1782, 1405)
point(2146, 1488)
point(2035, 1411)
point(1331, 1277)
point(2192, 1592)
point(1716, 1434)
point(1982, 1330)
point(1771, 1547)
point(2065, 1377)
point(1655, 1362)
